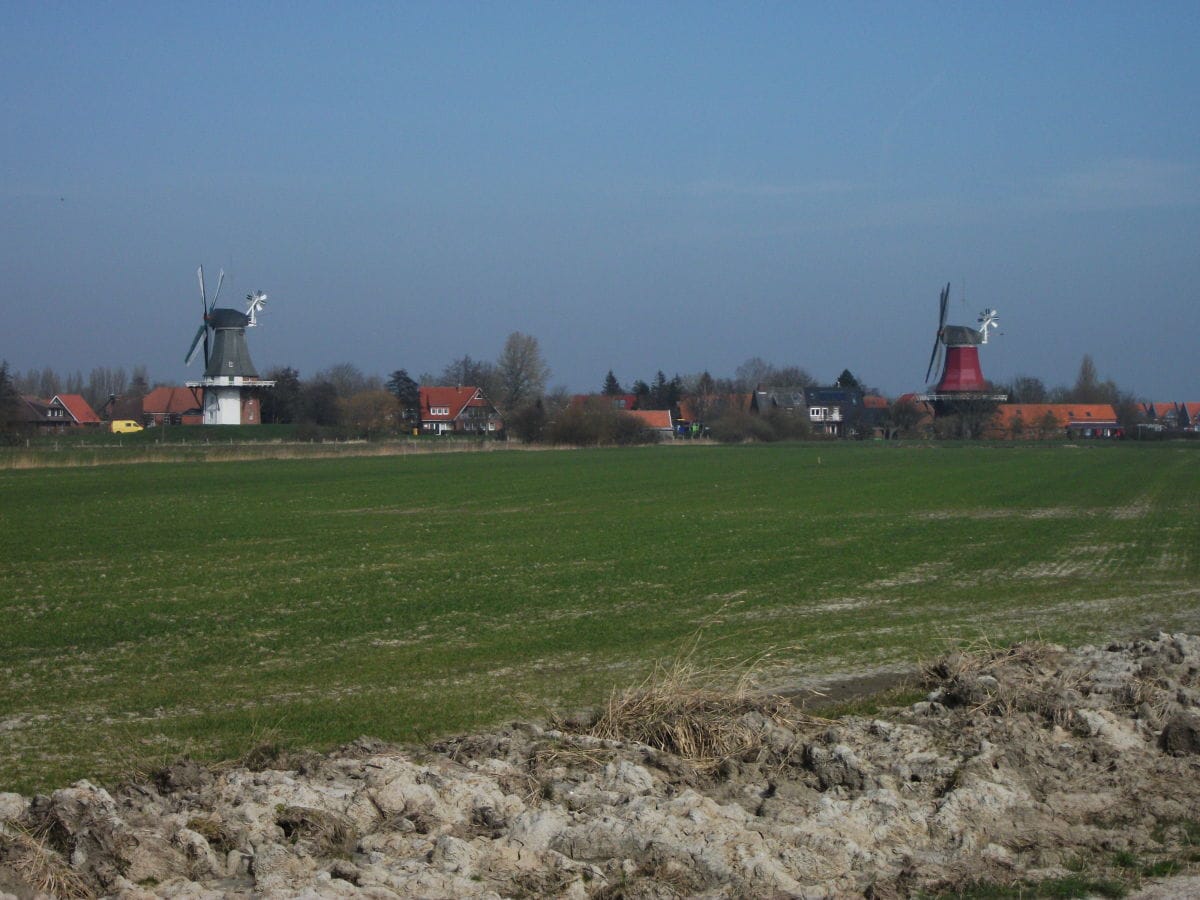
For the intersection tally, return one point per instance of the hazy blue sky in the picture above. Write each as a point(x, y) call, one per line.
point(640, 186)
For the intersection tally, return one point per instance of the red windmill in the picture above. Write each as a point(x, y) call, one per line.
point(959, 346)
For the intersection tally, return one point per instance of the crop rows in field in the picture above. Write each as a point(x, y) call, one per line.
point(195, 607)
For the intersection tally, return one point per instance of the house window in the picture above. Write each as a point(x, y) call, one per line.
point(439, 411)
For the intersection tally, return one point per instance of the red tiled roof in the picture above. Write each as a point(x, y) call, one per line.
point(874, 401)
point(652, 418)
point(79, 408)
point(453, 399)
point(1167, 407)
point(1064, 413)
point(172, 400)
point(616, 401)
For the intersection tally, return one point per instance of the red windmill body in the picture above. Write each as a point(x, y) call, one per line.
point(959, 347)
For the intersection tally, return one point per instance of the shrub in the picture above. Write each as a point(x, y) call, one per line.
point(736, 426)
point(789, 426)
point(593, 424)
point(528, 423)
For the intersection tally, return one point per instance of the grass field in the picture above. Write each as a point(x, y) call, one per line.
point(150, 610)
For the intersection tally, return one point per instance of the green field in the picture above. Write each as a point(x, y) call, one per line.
point(193, 607)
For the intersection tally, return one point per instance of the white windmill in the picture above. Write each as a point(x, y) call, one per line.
point(230, 380)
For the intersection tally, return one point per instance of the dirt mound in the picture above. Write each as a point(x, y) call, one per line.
point(1024, 765)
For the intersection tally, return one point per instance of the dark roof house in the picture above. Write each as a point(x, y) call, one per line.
point(59, 413)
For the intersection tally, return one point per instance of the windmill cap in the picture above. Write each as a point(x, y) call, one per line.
point(228, 318)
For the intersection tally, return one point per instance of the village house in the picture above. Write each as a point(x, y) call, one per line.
point(659, 421)
point(457, 410)
point(1172, 416)
point(59, 413)
point(173, 406)
point(1022, 421)
point(829, 409)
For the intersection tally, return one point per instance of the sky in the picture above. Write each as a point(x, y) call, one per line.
point(640, 186)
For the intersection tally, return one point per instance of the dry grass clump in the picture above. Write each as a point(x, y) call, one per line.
point(325, 833)
point(29, 856)
point(212, 829)
point(703, 713)
point(1001, 681)
point(1148, 696)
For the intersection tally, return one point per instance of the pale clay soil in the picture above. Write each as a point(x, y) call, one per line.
point(1022, 764)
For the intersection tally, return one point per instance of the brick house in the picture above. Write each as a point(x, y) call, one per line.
point(458, 410)
point(1046, 420)
point(173, 406)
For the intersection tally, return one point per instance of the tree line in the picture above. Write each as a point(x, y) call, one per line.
point(343, 397)
point(102, 382)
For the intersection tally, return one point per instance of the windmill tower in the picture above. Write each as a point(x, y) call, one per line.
point(957, 346)
point(231, 382)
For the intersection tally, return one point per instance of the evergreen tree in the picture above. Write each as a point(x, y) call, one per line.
point(658, 392)
point(847, 380)
point(612, 387)
point(407, 393)
point(9, 400)
point(281, 404)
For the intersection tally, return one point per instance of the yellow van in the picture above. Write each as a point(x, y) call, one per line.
point(124, 426)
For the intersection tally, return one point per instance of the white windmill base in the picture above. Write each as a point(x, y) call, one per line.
point(231, 404)
point(222, 406)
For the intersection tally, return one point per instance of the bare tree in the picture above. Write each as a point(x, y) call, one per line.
point(1027, 389)
point(369, 412)
point(1087, 384)
point(757, 371)
point(521, 371)
point(139, 383)
point(468, 372)
point(105, 382)
point(753, 372)
point(48, 383)
point(903, 417)
point(347, 379)
point(703, 393)
point(1090, 389)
